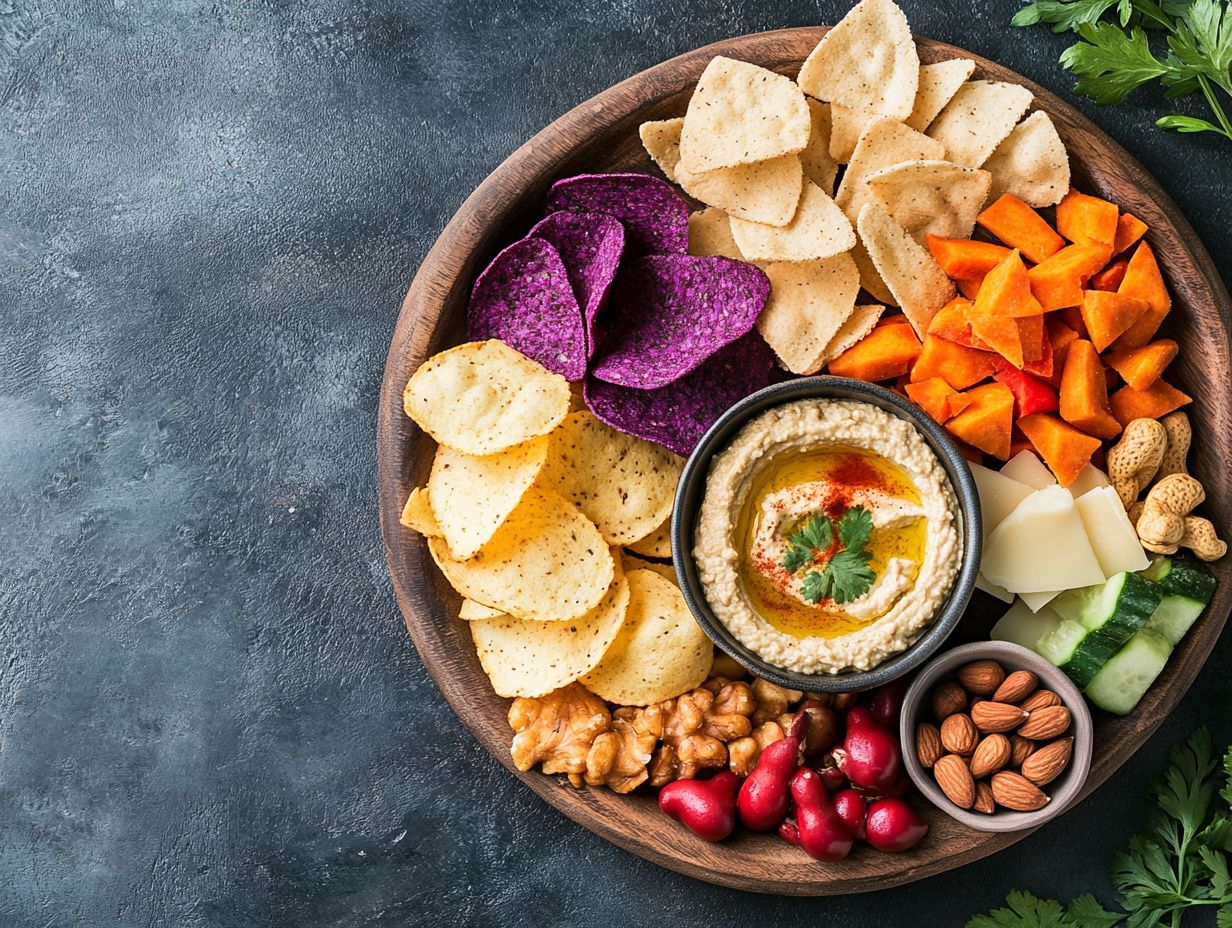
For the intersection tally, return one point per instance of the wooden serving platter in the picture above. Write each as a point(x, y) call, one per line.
point(601, 135)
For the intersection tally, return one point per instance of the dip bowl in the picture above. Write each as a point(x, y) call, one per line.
point(692, 488)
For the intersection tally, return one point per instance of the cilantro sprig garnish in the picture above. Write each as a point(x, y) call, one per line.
point(845, 575)
point(1192, 54)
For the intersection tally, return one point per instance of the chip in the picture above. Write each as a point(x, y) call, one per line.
point(590, 246)
point(666, 571)
point(819, 166)
point(918, 283)
point(621, 483)
point(846, 127)
point(938, 84)
point(740, 113)
point(977, 119)
point(661, 139)
point(527, 658)
point(654, 215)
point(1031, 163)
point(417, 514)
point(471, 611)
point(883, 143)
point(546, 562)
point(471, 496)
point(870, 280)
point(809, 302)
point(710, 234)
point(525, 299)
point(484, 397)
point(657, 544)
point(678, 414)
point(867, 62)
point(859, 324)
point(818, 230)
point(932, 197)
point(660, 650)
point(670, 312)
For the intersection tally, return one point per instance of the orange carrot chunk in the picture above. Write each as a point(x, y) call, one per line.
point(1021, 227)
point(935, 397)
point(1107, 315)
point(964, 257)
point(957, 365)
point(1006, 291)
point(1129, 229)
point(1155, 402)
point(988, 421)
point(1059, 281)
point(969, 286)
point(952, 324)
point(1085, 220)
point(886, 353)
point(1002, 335)
point(1110, 277)
point(1141, 367)
point(1143, 281)
point(1064, 449)
point(1084, 392)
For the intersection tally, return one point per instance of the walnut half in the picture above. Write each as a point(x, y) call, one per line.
point(557, 730)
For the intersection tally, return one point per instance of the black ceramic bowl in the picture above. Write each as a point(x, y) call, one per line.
point(692, 487)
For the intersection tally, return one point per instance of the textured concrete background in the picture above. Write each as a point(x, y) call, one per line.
point(210, 713)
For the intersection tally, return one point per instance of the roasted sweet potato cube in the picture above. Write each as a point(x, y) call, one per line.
point(886, 353)
point(1084, 392)
point(1064, 449)
point(1141, 367)
point(1019, 226)
point(1129, 229)
point(1085, 219)
point(969, 286)
point(1143, 281)
point(1110, 277)
point(1108, 315)
point(964, 257)
point(1155, 402)
point(988, 421)
point(1006, 291)
point(952, 324)
point(1060, 280)
point(957, 365)
point(937, 398)
point(1061, 337)
point(1002, 335)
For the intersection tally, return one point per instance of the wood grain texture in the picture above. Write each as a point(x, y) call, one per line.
point(601, 135)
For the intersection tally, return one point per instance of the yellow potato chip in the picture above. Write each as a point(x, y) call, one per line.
point(977, 119)
point(846, 127)
point(472, 495)
point(657, 544)
point(818, 230)
point(622, 483)
point(918, 283)
point(884, 142)
point(819, 167)
point(484, 397)
point(740, 113)
point(870, 280)
point(471, 611)
point(863, 319)
point(632, 562)
point(417, 514)
point(867, 62)
point(710, 234)
point(660, 651)
point(938, 84)
point(932, 197)
point(809, 302)
point(1031, 163)
point(528, 658)
point(546, 562)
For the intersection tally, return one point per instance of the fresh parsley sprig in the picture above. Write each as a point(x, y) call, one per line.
point(845, 576)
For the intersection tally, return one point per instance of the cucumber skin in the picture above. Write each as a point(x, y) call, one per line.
point(1187, 577)
point(1136, 599)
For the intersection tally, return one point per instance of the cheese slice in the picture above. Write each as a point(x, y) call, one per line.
point(1042, 546)
point(1112, 535)
point(1026, 467)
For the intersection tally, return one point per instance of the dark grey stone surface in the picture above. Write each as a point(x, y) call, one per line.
point(210, 713)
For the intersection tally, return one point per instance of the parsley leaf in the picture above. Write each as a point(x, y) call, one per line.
point(815, 586)
point(1111, 63)
point(1024, 910)
point(816, 534)
point(1066, 15)
point(850, 574)
point(846, 575)
point(1086, 912)
point(855, 527)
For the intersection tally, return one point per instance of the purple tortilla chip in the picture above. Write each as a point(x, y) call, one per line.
point(590, 244)
point(669, 313)
point(655, 216)
point(677, 416)
point(524, 298)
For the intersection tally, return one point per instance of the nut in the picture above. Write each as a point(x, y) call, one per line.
point(990, 755)
point(1045, 724)
point(1017, 687)
point(981, 677)
point(1049, 762)
point(1040, 699)
point(1180, 435)
point(997, 716)
point(948, 698)
point(1020, 749)
point(1162, 523)
point(983, 799)
point(927, 743)
point(958, 734)
point(1134, 460)
point(955, 780)
point(1014, 791)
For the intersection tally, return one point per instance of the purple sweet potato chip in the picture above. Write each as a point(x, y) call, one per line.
point(590, 244)
point(668, 313)
point(655, 216)
point(677, 415)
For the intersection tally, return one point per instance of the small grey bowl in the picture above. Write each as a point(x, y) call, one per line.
point(1063, 790)
point(692, 487)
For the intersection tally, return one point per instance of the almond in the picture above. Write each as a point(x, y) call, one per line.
point(1021, 748)
point(1016, 687)
point(1014, 791)
point(981, 677)
point(983, 799)
point(955, 780)
point(990, 755)
point(948, 698)
point(1048, 763)
point(958, 734)
point(927, 743)
point(996, 716)
point(1040, 699)
point(1045, 724)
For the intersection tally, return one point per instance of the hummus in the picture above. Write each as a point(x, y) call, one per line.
point(783, 500)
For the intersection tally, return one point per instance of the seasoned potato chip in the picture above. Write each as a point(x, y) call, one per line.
point(471, 611)
point(660, 651)
point(883, 143)
point(938, 84)
point(528, 658)
point(932, 197)
point(472, 495)
point(657, 544)
point(546, 562)
point(661, 139)
point(918, 283)
point(632, 562)
point(819, 167)
point(818, 230)
point(809, 302)
point(417, 514)
point(740, 113)
point(846, 127)
point(1031, 163)
point(977, 119)
point(622, 483)
point(710, 234)
point(863, 319)
point(867, 61)
point(870, 280)
point(484, 397)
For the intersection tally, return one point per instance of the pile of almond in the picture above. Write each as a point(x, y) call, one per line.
point(997, 739)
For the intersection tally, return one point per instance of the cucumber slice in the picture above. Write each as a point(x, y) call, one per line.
point(1174, 617)
point(1059, 645)
point(1130, 673)
point(1188, 587)
point(1024, 627)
